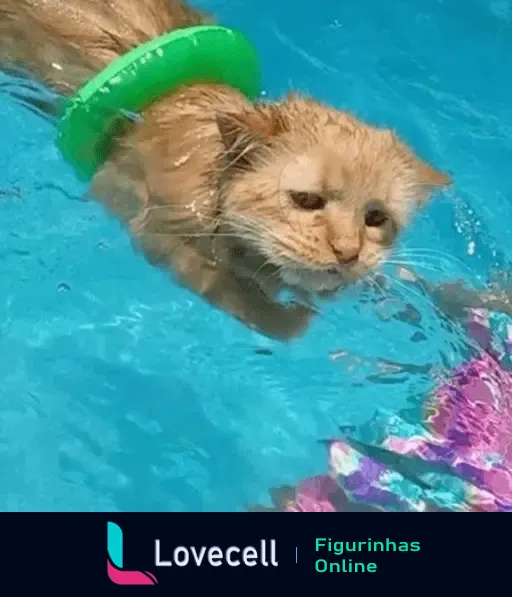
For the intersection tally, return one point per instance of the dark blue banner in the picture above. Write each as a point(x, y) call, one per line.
point(170, 552)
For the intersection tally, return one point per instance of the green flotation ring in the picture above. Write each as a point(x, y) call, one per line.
point(202, 54)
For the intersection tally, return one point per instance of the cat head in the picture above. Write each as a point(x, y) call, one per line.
point(319, 194)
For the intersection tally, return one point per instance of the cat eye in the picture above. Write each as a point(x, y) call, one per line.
point(309, 201)
point(375, 218)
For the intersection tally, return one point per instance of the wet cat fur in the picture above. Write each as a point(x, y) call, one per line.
point(239, 200)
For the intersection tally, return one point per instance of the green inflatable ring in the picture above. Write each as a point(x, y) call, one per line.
point(203, 54)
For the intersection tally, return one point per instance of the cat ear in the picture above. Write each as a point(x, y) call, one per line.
point(431, 178)
point(246, 134)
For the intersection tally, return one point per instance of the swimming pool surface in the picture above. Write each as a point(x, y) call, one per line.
point(121, 391)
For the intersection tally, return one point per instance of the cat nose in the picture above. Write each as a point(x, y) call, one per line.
point(346, 253)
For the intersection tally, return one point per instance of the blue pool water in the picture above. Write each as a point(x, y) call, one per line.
point(121, 391)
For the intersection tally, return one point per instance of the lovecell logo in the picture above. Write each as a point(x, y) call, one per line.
point(115, 570)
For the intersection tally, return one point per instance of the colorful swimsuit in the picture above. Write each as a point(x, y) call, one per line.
point(457, 457)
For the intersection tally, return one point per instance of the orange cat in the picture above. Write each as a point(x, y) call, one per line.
point(239, 200)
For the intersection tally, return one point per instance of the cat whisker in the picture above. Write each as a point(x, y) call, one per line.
point(422, 294)
point(374, 283)
point(412, 265)
point(268, 278)
point(264, 230)
point(191, 235)
point(422, 259)
point(434, 254)
point(260, 268)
